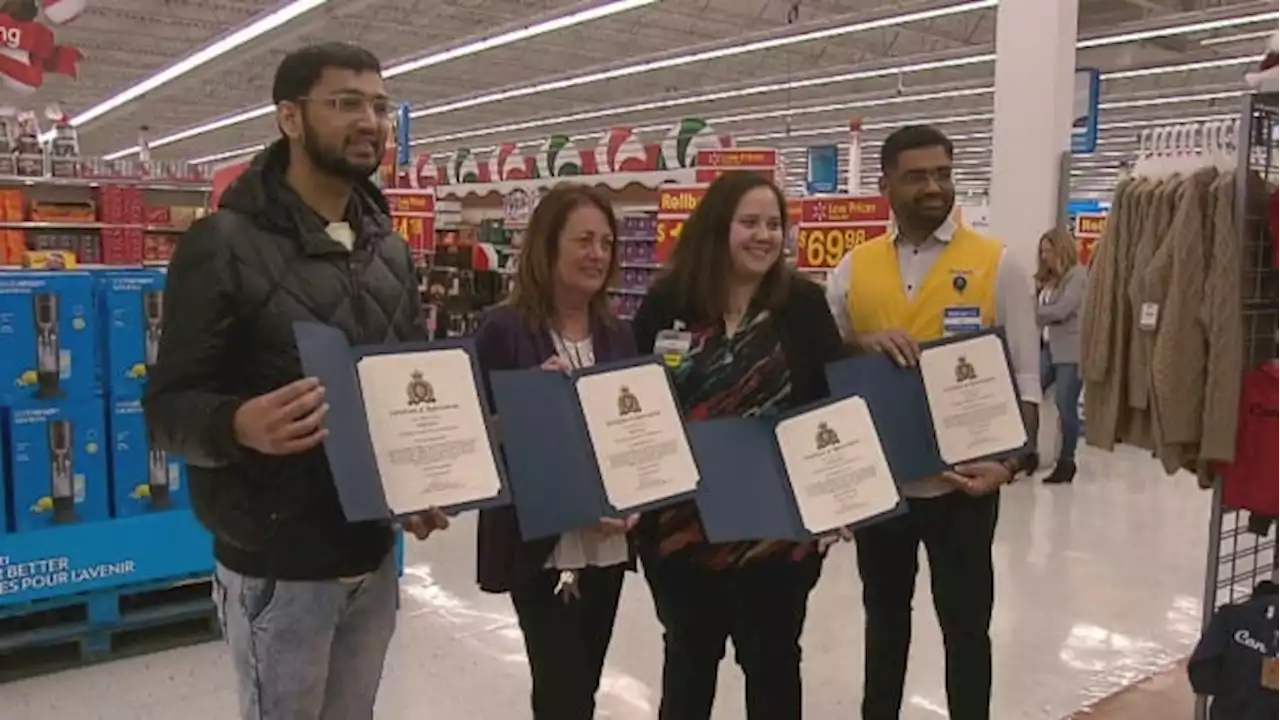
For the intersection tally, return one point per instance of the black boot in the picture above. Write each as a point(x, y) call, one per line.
point(1064, 472)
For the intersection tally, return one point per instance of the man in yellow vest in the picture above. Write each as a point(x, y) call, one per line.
point(930, 279)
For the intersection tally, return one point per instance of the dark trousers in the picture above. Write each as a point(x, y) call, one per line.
point(957, 531)
point(566, 640)
point(761, 606)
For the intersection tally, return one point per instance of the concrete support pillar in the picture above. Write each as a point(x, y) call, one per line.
point(1035, 68)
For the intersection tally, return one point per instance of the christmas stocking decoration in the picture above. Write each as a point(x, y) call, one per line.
point(60, 12)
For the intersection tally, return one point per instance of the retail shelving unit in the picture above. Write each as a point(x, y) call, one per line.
point(94, 226)
point(1239, 556)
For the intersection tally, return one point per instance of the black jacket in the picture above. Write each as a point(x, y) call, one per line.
point(237, 282)
point(1227, 663)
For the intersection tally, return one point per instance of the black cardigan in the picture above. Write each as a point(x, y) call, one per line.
point(804, 325)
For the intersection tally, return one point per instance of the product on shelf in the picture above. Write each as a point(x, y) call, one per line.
point(132, 306)
point(58, 463)
point(30, 156)
point(143, 478)
point(49, 326)
point(8, 143)
point(637, 263)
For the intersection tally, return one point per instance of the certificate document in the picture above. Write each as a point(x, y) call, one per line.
point(838, 471)
point(972, 399)
point(427, 425)
point(638, 435)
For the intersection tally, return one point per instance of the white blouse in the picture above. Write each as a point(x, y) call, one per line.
point(584, 548)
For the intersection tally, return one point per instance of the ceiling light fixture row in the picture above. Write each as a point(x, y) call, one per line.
point(510, 37)
point(702, 56)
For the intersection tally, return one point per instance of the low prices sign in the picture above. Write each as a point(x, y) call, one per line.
point(832, 226)
point(1089, 227)
point(711, 164)
point(675, 203)
point(413, 215)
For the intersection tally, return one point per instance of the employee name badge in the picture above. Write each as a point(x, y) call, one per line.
point(961, 320)
point(673, 345)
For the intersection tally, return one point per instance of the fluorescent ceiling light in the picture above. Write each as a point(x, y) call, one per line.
point(706, 97)
point(518, 35)
point(598, 113)
point(507, 38)
point(1238, 38)
point(1149, 102)
point(223, 45)
point(704, 56)
point(1180, 30)
point(793, 85)
point(226, 155)
point(1184, 67)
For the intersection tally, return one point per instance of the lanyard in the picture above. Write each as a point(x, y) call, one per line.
point(562, 346)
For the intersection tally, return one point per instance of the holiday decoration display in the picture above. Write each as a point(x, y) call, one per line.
point(621, 151)
point(681, 146)
point(559, 157)
point(28, 49)
point(511, 164)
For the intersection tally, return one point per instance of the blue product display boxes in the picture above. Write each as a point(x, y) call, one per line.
point(143, 480)
point(49, 333)
point(132, 304)
point(57, 463)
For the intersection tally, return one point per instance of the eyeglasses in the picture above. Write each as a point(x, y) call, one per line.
point(352, 105)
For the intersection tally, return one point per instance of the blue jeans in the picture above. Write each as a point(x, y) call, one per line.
point(1065, 378)
point(308, 650)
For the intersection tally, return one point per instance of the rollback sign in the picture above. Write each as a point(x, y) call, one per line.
point(28, 49)
point(675, 203)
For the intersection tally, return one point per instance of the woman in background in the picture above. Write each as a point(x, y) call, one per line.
point(743, 336)
point(565, 590)
point(1060, 282)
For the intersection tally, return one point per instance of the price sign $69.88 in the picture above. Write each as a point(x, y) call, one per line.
point(822, 247)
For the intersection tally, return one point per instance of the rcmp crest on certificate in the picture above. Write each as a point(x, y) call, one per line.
point(419, 390)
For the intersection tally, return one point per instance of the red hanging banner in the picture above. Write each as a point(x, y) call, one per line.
point(28, 51)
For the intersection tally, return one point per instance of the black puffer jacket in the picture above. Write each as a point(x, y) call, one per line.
point(237, 282)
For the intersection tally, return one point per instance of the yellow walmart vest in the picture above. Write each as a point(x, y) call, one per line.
point(962, 278)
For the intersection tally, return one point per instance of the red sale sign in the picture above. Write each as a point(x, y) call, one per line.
point(413, 214)
point(675, 203)
point(832, 226)
point(711, 164)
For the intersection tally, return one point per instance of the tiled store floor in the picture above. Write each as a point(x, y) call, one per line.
point(1098, 586)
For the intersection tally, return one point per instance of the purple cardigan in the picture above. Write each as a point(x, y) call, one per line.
point(506, 341)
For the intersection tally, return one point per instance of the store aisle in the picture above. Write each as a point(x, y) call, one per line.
point(1099, 586)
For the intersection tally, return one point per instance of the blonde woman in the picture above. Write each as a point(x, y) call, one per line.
point(1060, 282)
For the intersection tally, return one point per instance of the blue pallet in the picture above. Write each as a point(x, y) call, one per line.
point(93, 620)
point(82, 557)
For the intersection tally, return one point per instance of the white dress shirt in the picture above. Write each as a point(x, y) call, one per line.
point(1015, 308)
point(584, 548)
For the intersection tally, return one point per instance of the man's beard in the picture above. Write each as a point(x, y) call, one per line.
point(333, 163)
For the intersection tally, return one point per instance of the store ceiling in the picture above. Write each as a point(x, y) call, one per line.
point(125, 41)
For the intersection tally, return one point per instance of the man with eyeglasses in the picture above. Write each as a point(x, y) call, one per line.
point(307, 600)
point(932, 278)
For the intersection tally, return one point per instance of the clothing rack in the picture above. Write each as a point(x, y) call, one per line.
point(1238, 558)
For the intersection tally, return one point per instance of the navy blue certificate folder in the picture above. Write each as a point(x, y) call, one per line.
point(744, 493)
point(900, 409)
point(551, 464)
point(327, 356)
